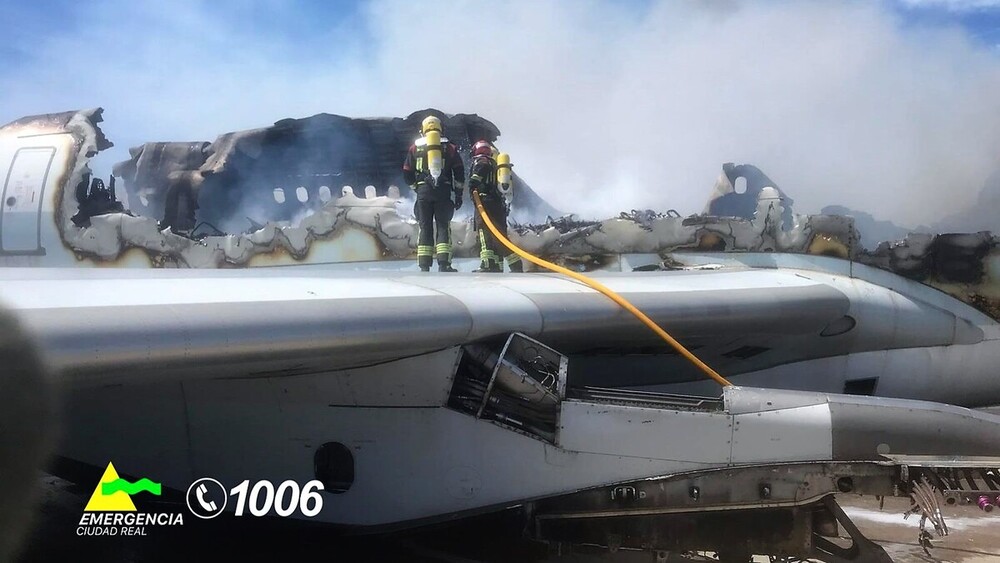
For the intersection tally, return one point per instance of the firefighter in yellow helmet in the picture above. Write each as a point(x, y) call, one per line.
point(483, 179)
point(434, 170)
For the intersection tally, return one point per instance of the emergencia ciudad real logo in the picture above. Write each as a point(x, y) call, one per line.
point(111, 511)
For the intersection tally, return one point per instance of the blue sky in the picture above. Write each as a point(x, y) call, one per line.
point(828, 97)
point(310, 25)
point(980, 19)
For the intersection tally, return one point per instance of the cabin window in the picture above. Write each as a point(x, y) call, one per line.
point(334, 467)
point(302, 194)
point(279, 195)
point(324, 194)
point(740, 185)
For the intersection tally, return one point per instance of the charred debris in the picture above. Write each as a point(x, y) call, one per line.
point(329, 188)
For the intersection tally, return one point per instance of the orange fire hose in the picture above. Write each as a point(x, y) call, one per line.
point(603, 289)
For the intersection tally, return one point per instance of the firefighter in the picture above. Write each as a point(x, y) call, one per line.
point(483, 179)
point(434, 170)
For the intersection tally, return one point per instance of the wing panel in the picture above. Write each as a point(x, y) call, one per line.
point(246, 339)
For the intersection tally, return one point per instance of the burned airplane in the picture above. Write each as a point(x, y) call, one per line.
point(420, 399)
point(885, 321)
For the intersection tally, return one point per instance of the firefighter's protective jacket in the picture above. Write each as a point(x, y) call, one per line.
point(419, 178)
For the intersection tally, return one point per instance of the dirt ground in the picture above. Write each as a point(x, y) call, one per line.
point(974, 536)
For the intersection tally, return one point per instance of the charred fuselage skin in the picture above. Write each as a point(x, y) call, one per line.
point(322, 219)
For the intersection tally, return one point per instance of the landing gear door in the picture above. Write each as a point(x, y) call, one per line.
point(21, 201)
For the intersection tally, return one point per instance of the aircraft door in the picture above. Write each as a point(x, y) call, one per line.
point(21, 201)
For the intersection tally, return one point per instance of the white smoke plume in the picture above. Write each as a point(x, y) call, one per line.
point(604, 106)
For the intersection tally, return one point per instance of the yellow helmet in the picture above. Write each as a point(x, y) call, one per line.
point(430, 123)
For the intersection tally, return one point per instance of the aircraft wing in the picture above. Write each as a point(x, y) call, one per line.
point(105, 326)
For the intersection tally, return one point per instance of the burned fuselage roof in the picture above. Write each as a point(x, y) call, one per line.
point(84, 122)
point(285, 194)
point(235, 175)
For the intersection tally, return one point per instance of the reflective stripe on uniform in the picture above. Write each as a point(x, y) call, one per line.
point(443, 248)
point(485, 254)
point(482, 241)
point(425, 250)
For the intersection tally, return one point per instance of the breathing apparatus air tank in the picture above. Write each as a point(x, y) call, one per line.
point(504, 175)
point(435, 158)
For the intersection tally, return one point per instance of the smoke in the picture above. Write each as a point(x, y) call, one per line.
point(603, 106)
point(838, 103)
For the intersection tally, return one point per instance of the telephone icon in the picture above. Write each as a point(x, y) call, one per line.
point(207, 498)
point(199, 494)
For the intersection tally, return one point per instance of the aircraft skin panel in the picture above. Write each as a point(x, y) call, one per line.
point(695, 313)
point(104, 327)
point(35, 164)
point(681, 281)
point(867, 423)
point(645, 432)
point(867, 428)
point(959, 375)
point(783, 435)
point(190, 290)
point(129, 344)
point(821, 268)
point(494, 308)
point(427, 463)
point(22, 199)
point(751, 400)
point(410, 382)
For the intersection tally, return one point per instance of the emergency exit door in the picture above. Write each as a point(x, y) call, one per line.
point(21, 201)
